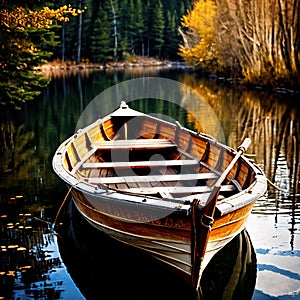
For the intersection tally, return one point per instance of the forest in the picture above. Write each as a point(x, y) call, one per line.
point(257, 41)
point(112, 30)
point(33, 33)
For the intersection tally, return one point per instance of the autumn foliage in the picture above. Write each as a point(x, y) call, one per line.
point(26, 41)
point(21, 18)
point(257, 40)
point(200, 40)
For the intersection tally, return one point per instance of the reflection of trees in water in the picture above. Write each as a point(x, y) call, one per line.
point(21, 168)
point(270, 120)
point(273, 127)
point(15, 152)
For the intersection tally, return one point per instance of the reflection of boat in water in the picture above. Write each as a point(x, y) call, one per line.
point(101, 266)
point(178, 195)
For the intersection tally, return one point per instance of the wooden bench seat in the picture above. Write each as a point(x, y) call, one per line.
point(151, 178)
point(136, 144)
point(177, 190)
point(141, 164)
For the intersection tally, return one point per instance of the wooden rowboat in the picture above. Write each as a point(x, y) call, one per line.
point(176, 194)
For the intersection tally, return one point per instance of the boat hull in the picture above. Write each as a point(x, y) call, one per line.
point(97, 262)
point(167, 239)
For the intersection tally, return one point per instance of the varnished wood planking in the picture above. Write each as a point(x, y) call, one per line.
point(148, 130)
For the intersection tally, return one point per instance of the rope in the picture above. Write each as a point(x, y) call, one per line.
point(41, 220)
point(276, 186)
point(61, 206)
point(52, 225)
point(273, 184)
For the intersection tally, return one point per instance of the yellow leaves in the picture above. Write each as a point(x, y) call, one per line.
point(32, 48)
point(201, 24)
point(201, 17)
point(24, 45)
point(21, 19)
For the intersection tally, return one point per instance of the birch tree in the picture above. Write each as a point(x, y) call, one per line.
point(258, 40)
point(79, 43)
point(115, 28)
point(262, 35)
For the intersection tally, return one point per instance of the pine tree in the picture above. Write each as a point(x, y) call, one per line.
point(26, 40)
point(138, 46)
point(91, 15)
point(155, 28)
point(100, 40)
point(124, 24)
point(171, 37)
point(136, 27)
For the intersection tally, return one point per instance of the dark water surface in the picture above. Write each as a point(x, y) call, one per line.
point(79, 263)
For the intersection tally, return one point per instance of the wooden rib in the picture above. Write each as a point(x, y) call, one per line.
point(153, 178)
point(86, 156)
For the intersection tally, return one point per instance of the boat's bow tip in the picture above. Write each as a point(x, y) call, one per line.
point(125, 110)
point(123, 105)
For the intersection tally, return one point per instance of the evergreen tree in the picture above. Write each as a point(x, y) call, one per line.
point(155, 28)
point(136, 27)
point(91, 15)
point(138, 46)
point(26, 39)
point(171, 37)
point(100, 40)
point(70, 37)
point(124, 24)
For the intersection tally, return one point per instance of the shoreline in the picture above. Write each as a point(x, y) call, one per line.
point(144, 64)
point(141, 62)
point(59, 68)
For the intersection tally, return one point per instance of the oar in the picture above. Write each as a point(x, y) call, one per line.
point(207, 213)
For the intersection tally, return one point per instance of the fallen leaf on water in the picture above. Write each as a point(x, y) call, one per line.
point(21, 249)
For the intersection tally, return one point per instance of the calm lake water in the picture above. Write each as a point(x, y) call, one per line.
point(78, 263)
